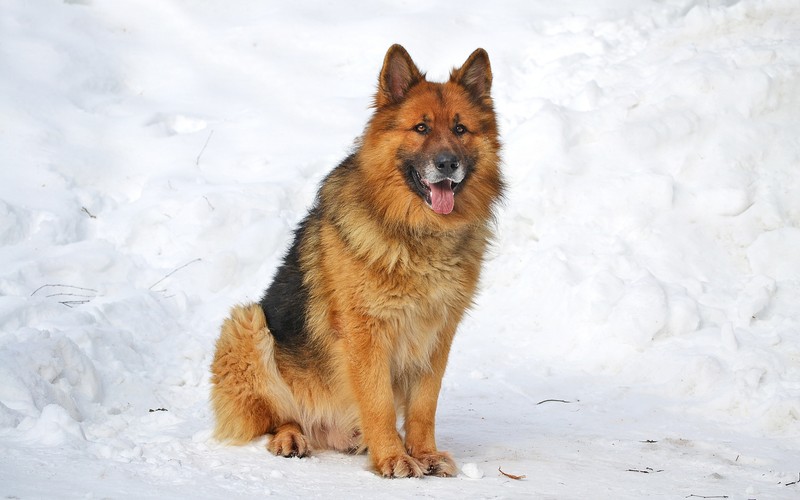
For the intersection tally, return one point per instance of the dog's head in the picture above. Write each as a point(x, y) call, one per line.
point(438, 140)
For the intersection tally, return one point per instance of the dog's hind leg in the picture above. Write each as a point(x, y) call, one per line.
point(288, 441)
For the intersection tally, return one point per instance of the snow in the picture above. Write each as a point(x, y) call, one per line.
point(472, 471)
point(638, 330)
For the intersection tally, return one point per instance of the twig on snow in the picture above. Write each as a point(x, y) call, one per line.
point(83, 298)
point(73, 303)
point(64, 294)
point(646, 470)
point(197, 161)
point(87, 212)
point(511, 476)
point(63, 286)
point(793, 482)
point(174, 271)
point(553, 401)
point(701, 496)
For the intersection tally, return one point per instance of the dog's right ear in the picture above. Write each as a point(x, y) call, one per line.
point(398, 75)
point(475, 75)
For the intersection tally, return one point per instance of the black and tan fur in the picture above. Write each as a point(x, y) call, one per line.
point(356, 327)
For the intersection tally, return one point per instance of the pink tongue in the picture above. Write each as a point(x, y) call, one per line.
point(442, 199)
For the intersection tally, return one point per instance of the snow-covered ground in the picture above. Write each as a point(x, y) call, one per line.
point(638, 333)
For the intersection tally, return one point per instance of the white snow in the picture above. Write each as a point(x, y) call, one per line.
point(638, 332)
point(472, 471)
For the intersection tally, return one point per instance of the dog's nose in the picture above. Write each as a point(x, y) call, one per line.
point(446, 162)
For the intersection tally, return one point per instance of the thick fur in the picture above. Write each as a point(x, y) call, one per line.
point(356, 327)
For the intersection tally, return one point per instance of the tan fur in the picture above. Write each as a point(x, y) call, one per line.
point(389, 281)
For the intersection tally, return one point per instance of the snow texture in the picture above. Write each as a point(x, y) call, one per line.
point(638, 330)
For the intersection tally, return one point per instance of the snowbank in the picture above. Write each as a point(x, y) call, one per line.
point(638, 332)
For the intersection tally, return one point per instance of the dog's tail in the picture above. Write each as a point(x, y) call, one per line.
point(243, 370)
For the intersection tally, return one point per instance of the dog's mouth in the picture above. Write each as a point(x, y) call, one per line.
point(440, 196)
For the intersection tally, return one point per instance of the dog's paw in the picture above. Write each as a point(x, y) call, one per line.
point(439, 464)
point(400, 466)
point(288, 442)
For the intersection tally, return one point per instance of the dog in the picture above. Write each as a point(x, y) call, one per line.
point(357, 324)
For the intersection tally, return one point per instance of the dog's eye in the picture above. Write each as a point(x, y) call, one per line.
point(460, 129)
point(421, 128)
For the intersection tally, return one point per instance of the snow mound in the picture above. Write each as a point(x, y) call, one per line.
point(637, 330)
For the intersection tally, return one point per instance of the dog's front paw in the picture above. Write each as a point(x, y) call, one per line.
point(440, 464)
point(400, 466)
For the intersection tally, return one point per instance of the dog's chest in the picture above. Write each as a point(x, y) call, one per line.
point(419, 311)
point(414, 341)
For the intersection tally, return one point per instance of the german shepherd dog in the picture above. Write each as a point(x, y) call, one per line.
point(357, 324)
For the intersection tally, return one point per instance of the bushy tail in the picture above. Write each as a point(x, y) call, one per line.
point(240, 377)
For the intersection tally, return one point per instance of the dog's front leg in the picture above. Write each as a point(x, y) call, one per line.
point(420, 415)
point(370, 374)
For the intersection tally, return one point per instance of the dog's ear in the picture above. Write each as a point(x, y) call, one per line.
point(475, 75)
point(398, 75)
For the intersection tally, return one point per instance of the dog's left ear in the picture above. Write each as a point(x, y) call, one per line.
point(475, 75)
point(398, 75)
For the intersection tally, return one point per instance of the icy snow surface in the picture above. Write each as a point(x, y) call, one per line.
point(638, 332)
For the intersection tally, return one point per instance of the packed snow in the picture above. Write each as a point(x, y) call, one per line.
point(638, 329)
